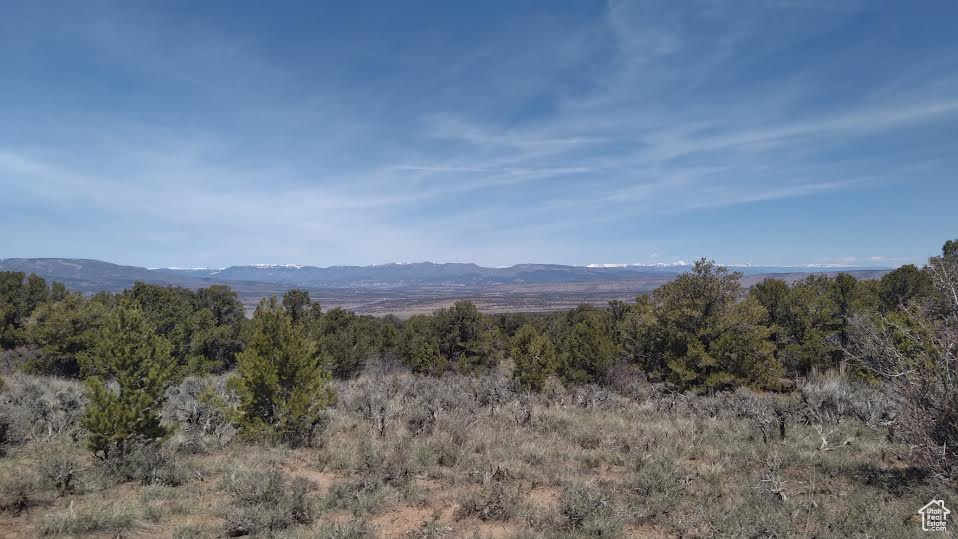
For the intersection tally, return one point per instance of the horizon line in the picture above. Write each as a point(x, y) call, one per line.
point(605, 266)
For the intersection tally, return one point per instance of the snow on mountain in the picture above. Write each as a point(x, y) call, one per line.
point(274, 266)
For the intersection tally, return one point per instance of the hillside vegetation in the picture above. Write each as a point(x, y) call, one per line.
point(822, 408)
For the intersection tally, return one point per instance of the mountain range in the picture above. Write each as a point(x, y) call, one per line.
point(95, 275)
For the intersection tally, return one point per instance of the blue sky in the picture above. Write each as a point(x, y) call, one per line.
point(205, 134)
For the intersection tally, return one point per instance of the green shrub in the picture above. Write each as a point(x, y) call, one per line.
point(200, 408)
point(19, 488)
point(658, 483)
point(382, 470)
point(354, 529)
point(147, 465)
point(196, 531)
point(41, 408)
point(493, 501)
point(60, 468)
point(114, 519)
point(357, 495)
point(4, 433)
point(590, 511)
point(430, 529)
point(266, 501)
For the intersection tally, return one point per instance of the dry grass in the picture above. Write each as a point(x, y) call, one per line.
point(404, 456)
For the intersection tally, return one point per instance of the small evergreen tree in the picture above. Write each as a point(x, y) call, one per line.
point(587, 349)
point(281, 384)
point(535, 358)
point(903, 285)
point(809, 326)
point(37, 291)
point(418, 346)
point(389, 338)
point(346, 342)
point(169, 309)
point(466, 339)
point(13, 308)
point(223, 302)
point(637, 335)
point(774, 296)
point(204, 327)
point(296, 303)
point(58, 291)
point(213, 347)
point(708, 341)
point(63, 331)
point(129, 368)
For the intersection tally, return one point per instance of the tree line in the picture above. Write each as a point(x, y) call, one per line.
point(702, 332)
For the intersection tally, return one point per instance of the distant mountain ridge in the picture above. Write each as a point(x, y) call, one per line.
point(87, 274)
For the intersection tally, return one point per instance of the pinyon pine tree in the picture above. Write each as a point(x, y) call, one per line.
point(418, 346)
point(465, 339)
point(280, 381)
point(129, 368)
point(587, 349)
point(709, 341)
point(535, 358)
point(63, 331)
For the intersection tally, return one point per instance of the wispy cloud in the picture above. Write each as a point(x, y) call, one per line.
point(595, 133)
